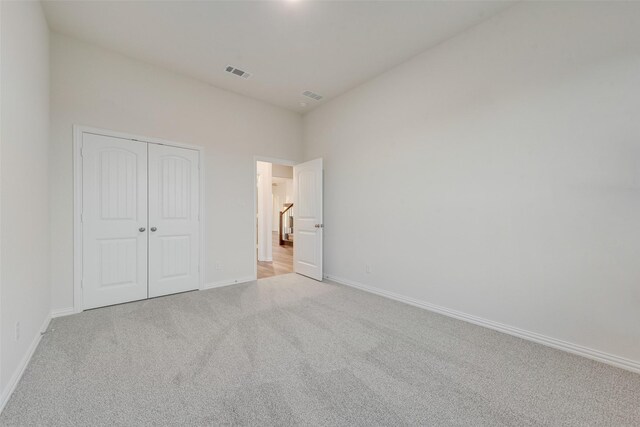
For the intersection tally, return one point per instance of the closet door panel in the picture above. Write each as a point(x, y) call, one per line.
point(173, 220)
point(114, 220)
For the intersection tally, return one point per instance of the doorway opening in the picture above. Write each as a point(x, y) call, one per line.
point(274, 219)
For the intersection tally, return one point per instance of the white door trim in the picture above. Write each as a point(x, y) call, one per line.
point(78, 131)
point(257, 159)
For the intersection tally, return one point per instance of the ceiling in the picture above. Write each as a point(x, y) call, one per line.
point(289, 47)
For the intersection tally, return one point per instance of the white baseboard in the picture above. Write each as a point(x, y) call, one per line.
point(228, 282)
point(17, 375)
point(62, 312)
point(610, 359)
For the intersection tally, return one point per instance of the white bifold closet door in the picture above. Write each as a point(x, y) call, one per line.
point(140, 220)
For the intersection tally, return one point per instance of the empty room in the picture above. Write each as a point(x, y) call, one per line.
point(331, 213)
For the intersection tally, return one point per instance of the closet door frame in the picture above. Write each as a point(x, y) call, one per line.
point(78, 132)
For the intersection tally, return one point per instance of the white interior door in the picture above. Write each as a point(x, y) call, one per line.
point(114, 220)
point(174, 224)
point(307, 221)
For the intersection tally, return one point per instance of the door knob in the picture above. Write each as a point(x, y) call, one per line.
point(141, 229)
point(153, 228)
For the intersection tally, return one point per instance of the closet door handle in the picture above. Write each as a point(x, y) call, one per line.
point(153, 228)
point(141, 229)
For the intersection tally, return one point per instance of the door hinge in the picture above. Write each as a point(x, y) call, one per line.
point(81, 283)
point(81, 217)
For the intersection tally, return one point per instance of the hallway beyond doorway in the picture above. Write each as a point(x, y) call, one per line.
point(282, 260)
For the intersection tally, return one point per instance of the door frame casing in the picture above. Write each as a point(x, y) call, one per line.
point(271, 160)
point(78, 131)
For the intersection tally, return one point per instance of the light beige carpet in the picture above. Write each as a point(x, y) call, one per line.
point(291, 351)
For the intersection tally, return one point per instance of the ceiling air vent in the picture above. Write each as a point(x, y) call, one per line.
point(312, 95)
point(238, 72)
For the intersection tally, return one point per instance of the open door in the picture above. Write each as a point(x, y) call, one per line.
point(307, 220)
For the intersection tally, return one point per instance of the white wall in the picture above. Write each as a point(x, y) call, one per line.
point(282, 171)
point(498, 174)
point(95, 87)
point(265, 210)
point(24, 142)
point(282, 193)
point(283, 176)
